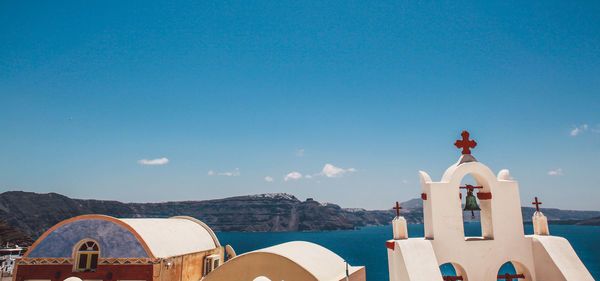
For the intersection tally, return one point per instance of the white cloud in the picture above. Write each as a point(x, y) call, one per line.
point(300, 152)
point(331, 171)
point(292, 176)
point(268, 179)
point(234, 173)
point(308, 176)
point(404, 181)
point(557, 172)
point(157, 161)
point(580, 129)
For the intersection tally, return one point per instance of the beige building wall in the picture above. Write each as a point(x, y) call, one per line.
point(184, 268)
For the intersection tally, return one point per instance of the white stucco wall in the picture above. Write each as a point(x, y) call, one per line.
point(555, 260)
point(414, 260)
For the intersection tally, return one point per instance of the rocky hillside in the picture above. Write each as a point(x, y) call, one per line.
point(591, 221)
point(33, 213)
point(12, 236)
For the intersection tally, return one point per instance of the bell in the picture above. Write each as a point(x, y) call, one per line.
point(471, 203)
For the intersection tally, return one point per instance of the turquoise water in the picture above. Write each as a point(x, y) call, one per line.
point(367, 245)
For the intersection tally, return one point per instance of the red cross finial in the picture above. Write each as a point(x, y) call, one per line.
point(397, 208)
point(465, 143)
point(537, 204)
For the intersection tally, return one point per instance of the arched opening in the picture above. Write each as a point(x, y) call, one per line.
point(476, 208)
point(513, 271)
point(261, 278)
point(452, 271)
point(86, 254)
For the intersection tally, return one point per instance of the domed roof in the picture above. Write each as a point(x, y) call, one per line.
point(127, 238)
point(316, 259)
point(297, 260)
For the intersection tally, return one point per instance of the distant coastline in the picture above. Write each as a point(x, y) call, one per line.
point(590, 221)
point(26, 214)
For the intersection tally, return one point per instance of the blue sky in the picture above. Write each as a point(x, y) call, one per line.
point(89, 90)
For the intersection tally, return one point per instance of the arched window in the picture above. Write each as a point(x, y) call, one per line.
point(86, 256)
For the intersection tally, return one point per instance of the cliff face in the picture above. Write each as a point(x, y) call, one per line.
point(12, 236)
point(33, 213)
point(591, 221)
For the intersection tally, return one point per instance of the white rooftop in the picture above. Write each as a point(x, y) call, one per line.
point(174, 236)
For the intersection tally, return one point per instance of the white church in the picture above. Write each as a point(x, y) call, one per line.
point(537, 257)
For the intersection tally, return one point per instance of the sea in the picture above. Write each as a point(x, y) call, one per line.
point(366, 246)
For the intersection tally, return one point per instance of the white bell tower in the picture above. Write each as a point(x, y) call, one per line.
point(502, 240)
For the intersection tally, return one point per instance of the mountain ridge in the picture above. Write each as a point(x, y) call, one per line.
point(33, 213)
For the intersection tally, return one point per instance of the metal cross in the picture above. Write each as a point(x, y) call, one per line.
point(397, 208)
point(452, 278)
point(511, 277)
point(537, 204)
point(470, 187)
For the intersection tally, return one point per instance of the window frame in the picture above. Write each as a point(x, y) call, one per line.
point(89, 256)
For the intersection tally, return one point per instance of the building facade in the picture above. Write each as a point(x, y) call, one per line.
point(97, 247)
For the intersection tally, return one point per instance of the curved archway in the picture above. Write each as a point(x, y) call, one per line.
point(452, 271)
point(513, 270)
point(261, 278)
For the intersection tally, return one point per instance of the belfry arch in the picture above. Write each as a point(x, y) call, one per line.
point(482, 191)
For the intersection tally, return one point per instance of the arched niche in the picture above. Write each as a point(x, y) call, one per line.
point(452, 269)
point(514, 268)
